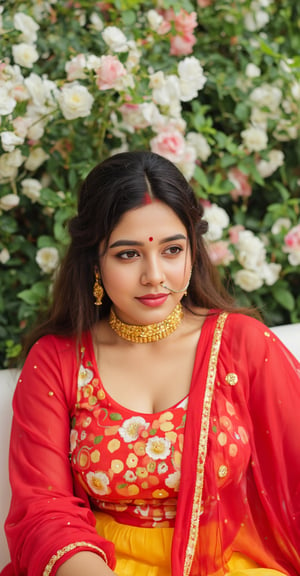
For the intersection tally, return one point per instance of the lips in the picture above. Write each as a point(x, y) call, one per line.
point(153, 299)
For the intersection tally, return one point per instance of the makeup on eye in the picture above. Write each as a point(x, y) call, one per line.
point(130, 254)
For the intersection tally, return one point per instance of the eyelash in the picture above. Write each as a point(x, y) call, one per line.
point(123, 255)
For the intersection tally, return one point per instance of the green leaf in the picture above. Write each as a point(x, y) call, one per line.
point(115, 416)
point(201, 177)
point(284, 297)
point(98, 439)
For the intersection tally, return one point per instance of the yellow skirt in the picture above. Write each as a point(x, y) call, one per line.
point(147, 551)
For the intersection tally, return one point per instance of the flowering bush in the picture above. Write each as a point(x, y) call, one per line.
point(212, 85)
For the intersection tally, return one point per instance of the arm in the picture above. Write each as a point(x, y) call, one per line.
point(84, 563)
point(273, 406)
point(47, 522)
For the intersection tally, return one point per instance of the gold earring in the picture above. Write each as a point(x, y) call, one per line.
point(97, 289)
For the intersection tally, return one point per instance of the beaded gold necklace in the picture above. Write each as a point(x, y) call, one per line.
point(149, 332)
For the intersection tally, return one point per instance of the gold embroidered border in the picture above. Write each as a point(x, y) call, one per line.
point(202, 450)
point(60, 553)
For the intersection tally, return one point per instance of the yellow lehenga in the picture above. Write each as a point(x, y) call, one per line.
point(147, 551)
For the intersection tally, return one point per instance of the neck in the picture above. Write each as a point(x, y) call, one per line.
point(149, 332)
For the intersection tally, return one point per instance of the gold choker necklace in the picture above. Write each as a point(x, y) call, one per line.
point(148, 332)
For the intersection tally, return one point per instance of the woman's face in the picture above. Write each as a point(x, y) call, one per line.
point(148, 254)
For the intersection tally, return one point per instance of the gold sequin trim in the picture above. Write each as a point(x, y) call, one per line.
point(231, 378)
point(202, 449)
point(60, 553)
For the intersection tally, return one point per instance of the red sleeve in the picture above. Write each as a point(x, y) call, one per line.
point(47, 522)
point(273, 400)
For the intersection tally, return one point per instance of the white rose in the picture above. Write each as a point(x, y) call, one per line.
point(155, 19)
point(75, 101)
point(188, 162)
point(259, 119)
point(9, 164)
point(37, 125)
point(25, 54)
point(254, 139)
point(31, 188)
point(268, 167)
point(247, 280)
point(93, 62)
point(217, 220)
point(266, 96)
point(27, 26)
point(115, 39)
point(134, 56)
point(251, 251)
point(256, 20)
point(294, 258)
point(4, 256)
point(270, 273)
point(96, 22)
point(47, 259)
point(9, 201)
point(41, 90)
point(7, 103)
point(75, 68)
point(200, 144)
point(36, 158)
point(295, 90)
point(280, 224)
point(191, 78)
point(10, 140)
point(252, 71)
point(165, 89)
point(285, 130)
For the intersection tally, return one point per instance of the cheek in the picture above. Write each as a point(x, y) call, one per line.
point(115, 276)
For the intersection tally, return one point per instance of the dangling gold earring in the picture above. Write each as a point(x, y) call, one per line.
point(97, 289)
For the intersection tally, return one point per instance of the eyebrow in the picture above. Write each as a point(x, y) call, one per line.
point(136, 243)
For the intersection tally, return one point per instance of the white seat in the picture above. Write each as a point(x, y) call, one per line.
point(289, 334)
point(8, 380)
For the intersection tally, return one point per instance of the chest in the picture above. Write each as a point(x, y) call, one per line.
point(147, 380)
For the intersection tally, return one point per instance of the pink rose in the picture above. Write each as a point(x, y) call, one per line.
point(234, 232)
point(185, 22)
point(109, 72)
point(170, 144)
point(182, 45)
point(292, 239)
point(292, 245)
point(240, 182)
point(204, 3)
point(219, 253)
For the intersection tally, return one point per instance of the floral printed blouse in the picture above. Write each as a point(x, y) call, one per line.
point(128, 463)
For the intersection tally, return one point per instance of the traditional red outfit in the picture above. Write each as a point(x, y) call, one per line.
point(239, 496)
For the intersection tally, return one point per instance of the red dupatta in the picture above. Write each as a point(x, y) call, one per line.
point(240, 479)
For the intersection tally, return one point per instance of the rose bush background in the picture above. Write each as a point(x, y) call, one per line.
point(214, 85)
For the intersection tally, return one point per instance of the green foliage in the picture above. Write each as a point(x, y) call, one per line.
point(247, 54)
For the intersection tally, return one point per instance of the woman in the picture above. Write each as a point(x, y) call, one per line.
point(155, 426)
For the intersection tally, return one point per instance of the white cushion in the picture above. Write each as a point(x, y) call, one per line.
point(8, 379)
point(288, 334)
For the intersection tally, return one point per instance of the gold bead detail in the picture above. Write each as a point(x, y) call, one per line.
point(149, 332)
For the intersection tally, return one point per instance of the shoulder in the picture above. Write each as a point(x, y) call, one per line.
point(247, 333)
point(51, 346)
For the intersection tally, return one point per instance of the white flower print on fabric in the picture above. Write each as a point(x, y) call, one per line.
point(85, 375)
point(158, 448)
point(173, 480)
point(98, 482)
point(131, 428)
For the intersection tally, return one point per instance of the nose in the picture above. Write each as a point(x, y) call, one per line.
point(152, 272)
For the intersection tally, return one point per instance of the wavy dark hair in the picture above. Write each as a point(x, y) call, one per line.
point(113, 187)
